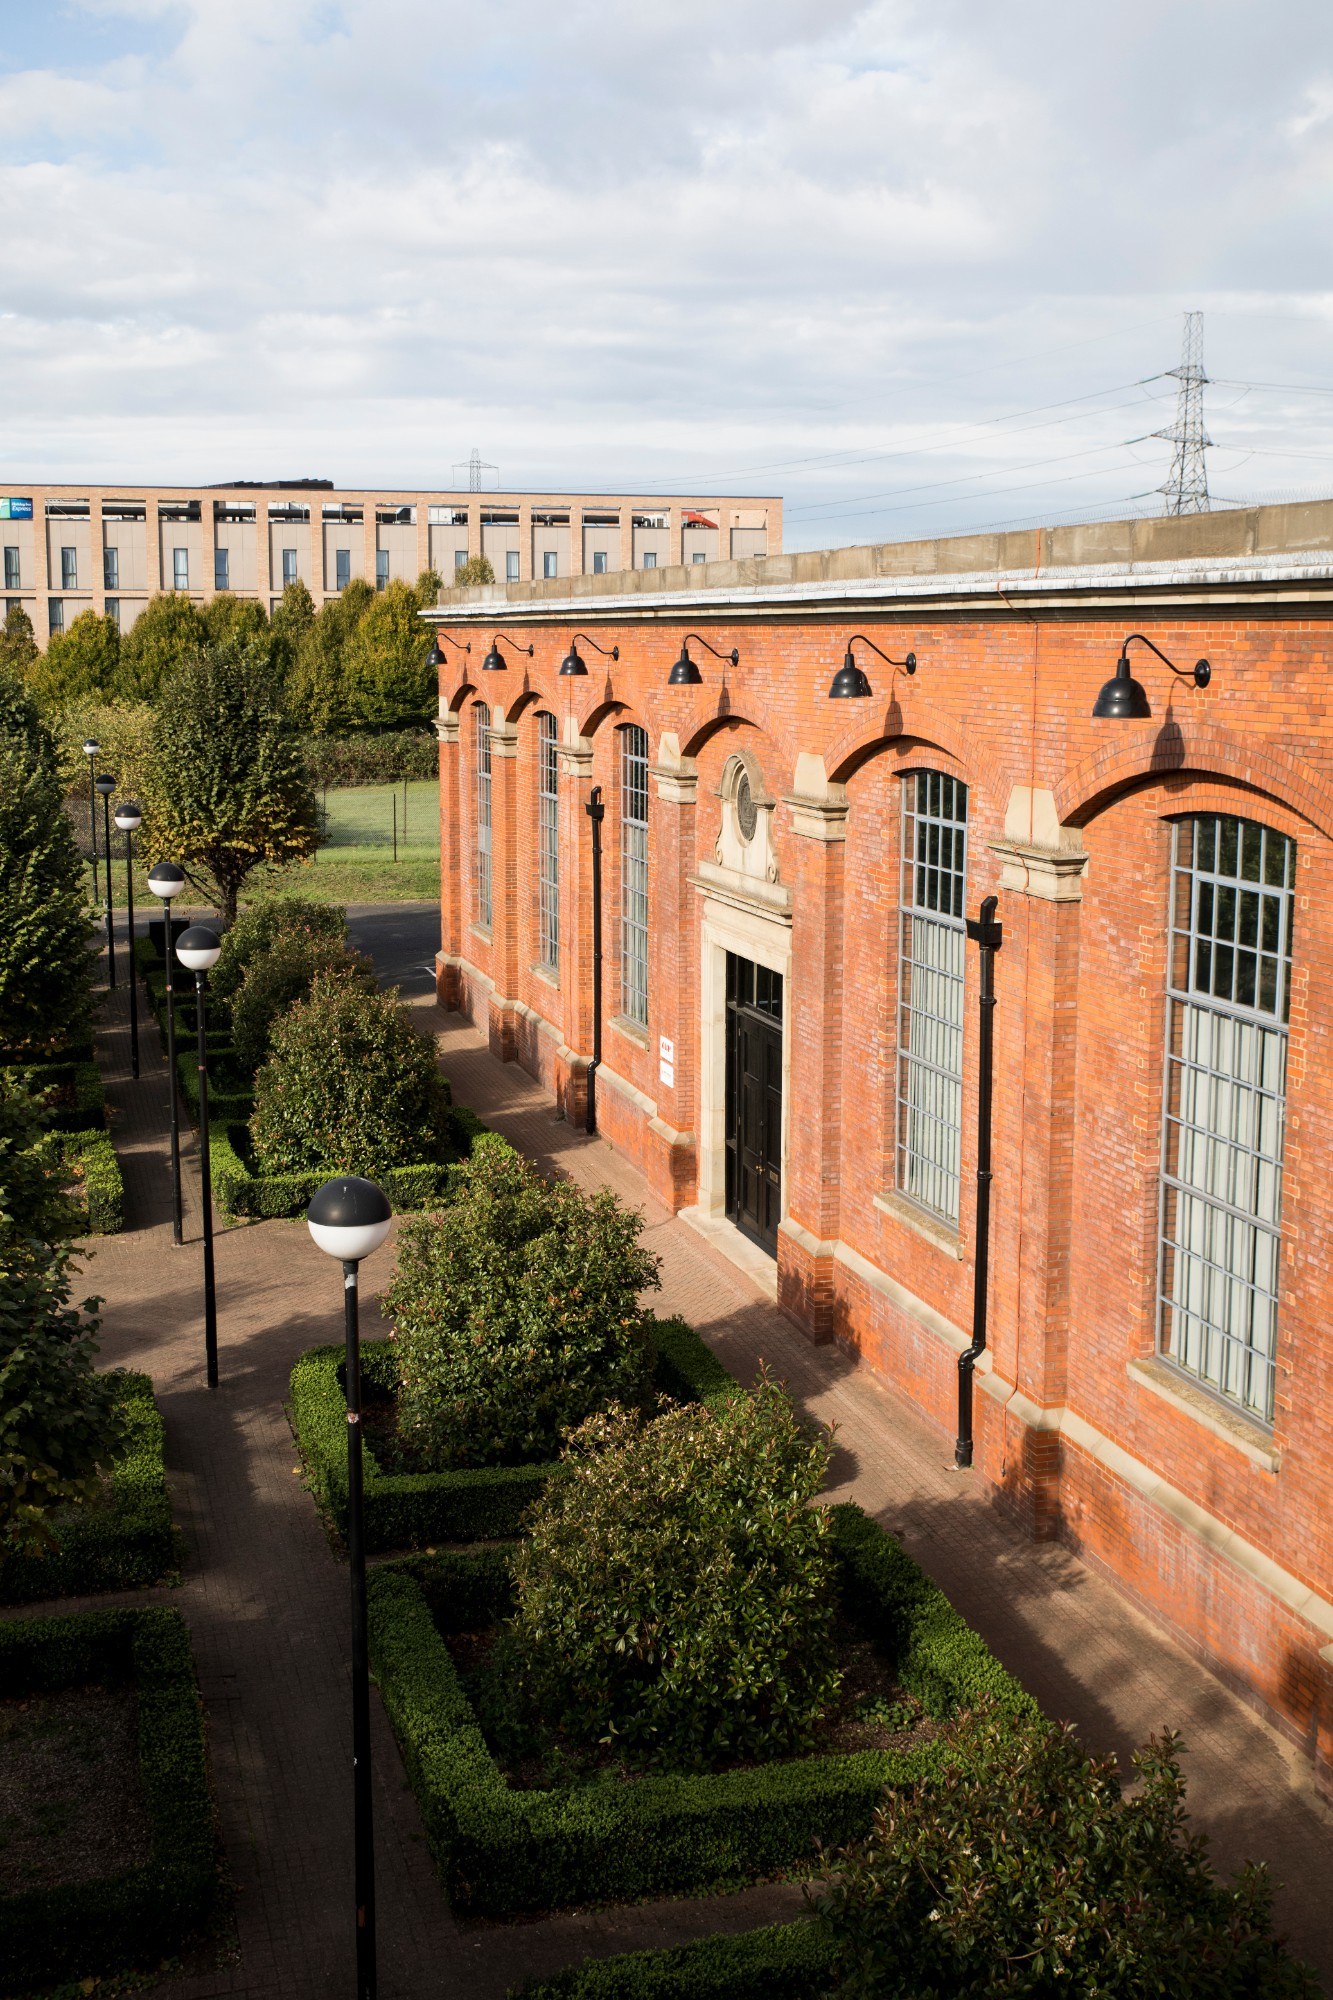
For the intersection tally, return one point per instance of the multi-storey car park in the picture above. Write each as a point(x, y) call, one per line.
point(68, 549)
point(794, 834)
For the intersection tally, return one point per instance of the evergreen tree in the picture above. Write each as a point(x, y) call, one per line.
point(18, 643)
point(80, 663)
point(45, 965)
point(225, 785)
point(316, 697)
point(291, 621)
point(429, 585)
point(167, 631)
point(386, 682)
point(477, 569)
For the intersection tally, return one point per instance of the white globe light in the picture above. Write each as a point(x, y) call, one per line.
point(199, 948)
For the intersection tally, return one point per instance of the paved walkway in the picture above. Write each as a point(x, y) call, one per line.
point(266, 1600)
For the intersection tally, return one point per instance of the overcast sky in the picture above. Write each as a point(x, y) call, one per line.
point(794, 246)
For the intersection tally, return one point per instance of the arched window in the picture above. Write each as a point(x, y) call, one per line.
point(931, 938)
point(634, 874)
point(548, 847)
point(1232, 894)
point(481, 724)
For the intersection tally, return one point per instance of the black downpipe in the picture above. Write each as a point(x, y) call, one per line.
point(988, 935)
point(596, 812)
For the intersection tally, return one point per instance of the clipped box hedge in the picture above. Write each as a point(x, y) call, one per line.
point(503, 1851)
point(132, 1919)
point(98, 1184)
point(240, 1191)
point(780, 1962)
point(419, 1509)
point(86, 1110)
point(120, 1543)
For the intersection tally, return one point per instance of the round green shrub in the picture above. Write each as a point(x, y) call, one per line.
point(675, 1592)
point(277, 978)
point(349, 1086)
point(516, 1314)
point(1022, 1869)
point(261, 924)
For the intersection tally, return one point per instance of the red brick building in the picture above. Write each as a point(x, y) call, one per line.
point(788, 1041)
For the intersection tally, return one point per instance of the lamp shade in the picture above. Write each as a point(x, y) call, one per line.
point(128, 816)
point(850, 683)
point(685, 673)
point(1122, 699)
point(493, 662)
point(198, 948)
point(91, 747)
point(166, 880)
point(105, 783)
point(573, 662)
point(435, 658)
point(349, 1217)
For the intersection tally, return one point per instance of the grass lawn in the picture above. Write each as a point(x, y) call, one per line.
point(354, 865)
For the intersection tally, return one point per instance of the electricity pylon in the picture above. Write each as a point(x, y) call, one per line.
point(1186, 488)
point(476, 465)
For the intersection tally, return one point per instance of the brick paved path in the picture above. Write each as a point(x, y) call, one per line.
point(266, 1600)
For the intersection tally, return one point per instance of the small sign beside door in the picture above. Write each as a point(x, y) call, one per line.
point(666, 1062)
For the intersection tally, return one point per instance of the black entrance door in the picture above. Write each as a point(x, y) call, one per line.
point(754, 1099)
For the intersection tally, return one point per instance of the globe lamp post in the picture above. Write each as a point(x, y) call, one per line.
point(90, 750)
point(349, 1219)
point(106, 785)
point(129, 819)
point(166, 881)
point(198, 950)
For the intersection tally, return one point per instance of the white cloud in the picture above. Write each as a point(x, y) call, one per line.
point(618, 246)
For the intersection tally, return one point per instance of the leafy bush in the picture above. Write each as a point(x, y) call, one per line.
point(98, 1184)
point(122, 728)
point(386, 682)
point(80, 663)
point(383, 759)
point(18, 643)
point(168, 631)
point(260, 925)
point(516, 1314)
point(45, 962)
point(675, 1594)
point(780, 1962)
point(477, 569)
point(278, 978)
point(1020, 1868)
point(350, 1087)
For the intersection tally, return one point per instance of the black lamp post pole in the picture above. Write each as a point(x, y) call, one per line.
point(110, 932)
point(206, 1190)
point(92, 817)
point(987, 934)
point(177, 1230)
point(363, 1824)
point(129, 908)
point(596, 812)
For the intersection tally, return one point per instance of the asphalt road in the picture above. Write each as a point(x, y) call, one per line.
point(403, 939)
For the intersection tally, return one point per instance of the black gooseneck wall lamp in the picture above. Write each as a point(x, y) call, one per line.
point(494, 661)
point(574, 662)
point(685, 673)
point(435, 658)
point(1123, 699)
point(852, 683)
point(106, 785)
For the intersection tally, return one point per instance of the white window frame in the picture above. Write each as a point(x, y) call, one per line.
point(69, 569)
point(1224, 1106)
point(111, 569)
point(634, 874)
point(548, 843)
point(511, 565)
point(290, 568)
point(932, 938)
point(222, 569)
point(481, 736)
point(180, 569)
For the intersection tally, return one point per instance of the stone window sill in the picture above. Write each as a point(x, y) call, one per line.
point(479, 931)
point(1247, 1434)
point(547, 975)
point(630, 1030)
point(940, 1234)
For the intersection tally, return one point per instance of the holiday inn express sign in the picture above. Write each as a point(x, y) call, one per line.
point(14, 509)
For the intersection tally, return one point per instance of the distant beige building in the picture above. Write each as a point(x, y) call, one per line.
point(69, 549)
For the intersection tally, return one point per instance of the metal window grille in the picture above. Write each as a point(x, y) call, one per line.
point(548, 846)
point(932, 935)
point(481, 723)
point(1224, 1105)
point(634, 874)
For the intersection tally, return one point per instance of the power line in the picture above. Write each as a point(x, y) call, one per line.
point(1186, 487)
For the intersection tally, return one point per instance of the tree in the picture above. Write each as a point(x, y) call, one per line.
point(291, 621)
point(224, 784)
point(477, 569)
point(79, 663)
point(227, 616)
point(58, 1421)
point(18, 643)
point(386, 682)
point(1020, 1868)
point(429, 585)
point(167, 631)
point(45, 964)
point(316, 698)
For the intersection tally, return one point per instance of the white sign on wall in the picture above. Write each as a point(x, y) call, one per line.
point(666, 1062)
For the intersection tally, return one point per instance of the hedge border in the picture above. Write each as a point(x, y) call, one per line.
point(100, 1197)
point(419, 1509)
point(780, 1962)
point(119, 1546)
point(136, 1917)
point(88, 1111)
point(504, 1852)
